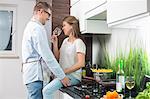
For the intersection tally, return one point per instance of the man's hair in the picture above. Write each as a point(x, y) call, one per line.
point(42, 5)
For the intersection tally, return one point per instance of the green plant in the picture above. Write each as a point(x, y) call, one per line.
point(135, 62)
point(145, 94)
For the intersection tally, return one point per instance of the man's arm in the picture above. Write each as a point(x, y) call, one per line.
point(47, 55)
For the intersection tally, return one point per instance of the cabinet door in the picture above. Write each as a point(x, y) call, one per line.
point(64, 96)
point(75, 10)
point(119, 10)
point(57, 95)
point(72, 2)
point(78, 10)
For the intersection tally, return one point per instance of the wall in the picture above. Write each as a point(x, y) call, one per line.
point(11, 85)
point(135, 33)
point(61, 9)
point(97, 47)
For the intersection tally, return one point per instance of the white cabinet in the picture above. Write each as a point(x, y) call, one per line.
point(87, 11)
point(72, 2)
point(75, 10)
point(63, 95)
point(122, 10)
point(66, 96)
point(94, 7)
point(78, 10)
point(57, 95)
point(96, 27)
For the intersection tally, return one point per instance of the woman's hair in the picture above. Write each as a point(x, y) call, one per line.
point(71, 20)
point(42, 5)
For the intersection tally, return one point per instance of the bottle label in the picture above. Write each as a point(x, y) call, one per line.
point(118, 87)
point(121, 80)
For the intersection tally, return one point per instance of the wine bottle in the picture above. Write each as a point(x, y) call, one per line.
point(120, 79)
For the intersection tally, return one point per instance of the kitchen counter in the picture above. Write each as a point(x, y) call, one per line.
point(86, 87)
point(76, 94)
point(71, 91)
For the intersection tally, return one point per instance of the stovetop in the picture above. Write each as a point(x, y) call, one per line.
point(91, 88)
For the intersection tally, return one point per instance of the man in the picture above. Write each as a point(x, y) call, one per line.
point(35, 49)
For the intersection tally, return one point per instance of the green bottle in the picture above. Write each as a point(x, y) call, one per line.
point(120, 78)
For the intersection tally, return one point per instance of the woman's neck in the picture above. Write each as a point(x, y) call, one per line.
point(71, 38)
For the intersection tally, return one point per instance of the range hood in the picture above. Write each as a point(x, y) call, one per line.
point(96, 20)
point(97, 24)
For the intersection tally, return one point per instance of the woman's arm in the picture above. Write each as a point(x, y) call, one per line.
point(80, 63)
point(56, 51)
point(55, 46)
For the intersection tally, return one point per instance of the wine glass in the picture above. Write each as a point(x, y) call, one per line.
point(57, 31)
point(130, 83)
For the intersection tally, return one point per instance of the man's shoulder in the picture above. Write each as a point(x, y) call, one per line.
point(33, 24)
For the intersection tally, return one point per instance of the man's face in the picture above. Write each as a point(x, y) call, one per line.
point(45, 15)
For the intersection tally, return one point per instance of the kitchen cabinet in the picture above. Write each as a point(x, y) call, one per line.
point(72, 2)
point(89, 14)
point(57, 95)
point(66, 96)
point(94, 7)
point(78, 10)
point(75, 10)
point(119, 11)
point(62, 95)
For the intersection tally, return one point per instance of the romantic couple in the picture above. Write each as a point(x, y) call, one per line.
point(36, 51)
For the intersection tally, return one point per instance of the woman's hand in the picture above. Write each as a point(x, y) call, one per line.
point(54, 39)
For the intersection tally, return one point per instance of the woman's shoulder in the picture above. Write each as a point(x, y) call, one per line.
point(79, 40)
point(65, 40)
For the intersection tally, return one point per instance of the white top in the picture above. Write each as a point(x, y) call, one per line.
point(68, 54)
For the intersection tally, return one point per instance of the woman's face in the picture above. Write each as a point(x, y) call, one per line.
point(67, 28)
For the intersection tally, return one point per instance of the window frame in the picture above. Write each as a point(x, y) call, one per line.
point(13, 53)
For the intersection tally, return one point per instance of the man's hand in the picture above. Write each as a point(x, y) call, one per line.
point(65, 82)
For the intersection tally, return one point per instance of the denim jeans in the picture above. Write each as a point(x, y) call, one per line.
point(54, 85)
point(35, 90)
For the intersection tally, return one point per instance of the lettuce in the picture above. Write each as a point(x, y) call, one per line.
point(145, 94)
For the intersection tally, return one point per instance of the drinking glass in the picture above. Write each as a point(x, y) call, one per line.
point(57, 31)
point(130, 83)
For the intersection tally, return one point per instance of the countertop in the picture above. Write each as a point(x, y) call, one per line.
point(86, 87)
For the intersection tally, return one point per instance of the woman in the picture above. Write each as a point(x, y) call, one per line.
point(71, 56)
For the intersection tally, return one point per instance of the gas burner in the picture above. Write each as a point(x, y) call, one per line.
point(93, 88)
point(84, 86)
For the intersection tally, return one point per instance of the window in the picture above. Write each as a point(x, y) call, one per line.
point(8, 34)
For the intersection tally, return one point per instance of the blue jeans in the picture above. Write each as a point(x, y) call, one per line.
point(54, 85)
point(35, 90)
